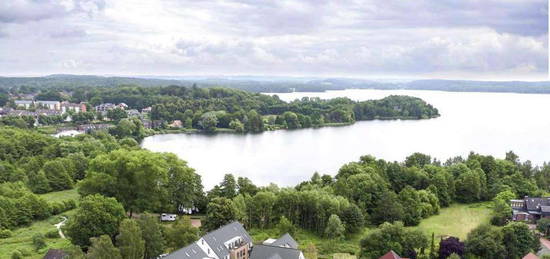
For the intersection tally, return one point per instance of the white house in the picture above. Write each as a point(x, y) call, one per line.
point(24, 103)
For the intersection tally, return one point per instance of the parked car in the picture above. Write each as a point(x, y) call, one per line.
point(168, 217)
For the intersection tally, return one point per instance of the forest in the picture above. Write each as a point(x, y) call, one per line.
point(116, 178)
point(273, 84)
point(209, 109)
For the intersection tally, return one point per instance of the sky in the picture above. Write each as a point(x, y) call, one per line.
point(455, 39)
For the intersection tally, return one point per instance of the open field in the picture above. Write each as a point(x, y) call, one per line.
point(457, 220)
point(22, 238)
point(61, 196)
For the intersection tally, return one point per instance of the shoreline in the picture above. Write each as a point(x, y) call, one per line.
point(153, 132)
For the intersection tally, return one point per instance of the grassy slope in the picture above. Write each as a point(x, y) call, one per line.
point(61, 196)
point(22, 237)
point(457, 220)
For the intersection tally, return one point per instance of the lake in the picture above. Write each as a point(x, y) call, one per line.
point(487, 123)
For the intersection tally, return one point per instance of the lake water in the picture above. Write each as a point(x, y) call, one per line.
point(487, 123)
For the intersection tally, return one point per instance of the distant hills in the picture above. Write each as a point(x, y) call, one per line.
point(276, 84)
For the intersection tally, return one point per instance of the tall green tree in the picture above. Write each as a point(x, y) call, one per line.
point(102, 248)
point(392, 237)
point(129, 240)
point(97, 215)
point(219, 212)
point(143, 180)
point(353, 219)
point(335, 229)
point(413, 210)
point(543, 225)
point(228, 187)
point(519, 240)
point(58, 177)
point(485, 241)
point(117, 114)
point(152, 235)
point(262, 209)
point(285, 226)
point(181, 234)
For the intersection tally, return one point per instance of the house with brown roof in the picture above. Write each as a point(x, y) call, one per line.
point(392, 255)
point(530, 256)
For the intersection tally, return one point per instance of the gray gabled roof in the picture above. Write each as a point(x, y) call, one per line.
point(218, 237)
point(533, 204)
point(274, 252)
point(192, 251)
point(286, 240)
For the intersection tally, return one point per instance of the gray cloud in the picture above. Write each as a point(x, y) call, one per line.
point(19, 11)
point(474, 38)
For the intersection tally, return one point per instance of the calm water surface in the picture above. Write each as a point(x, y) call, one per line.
point(488, 123)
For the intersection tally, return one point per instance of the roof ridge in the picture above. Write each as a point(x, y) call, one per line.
point(284, 247)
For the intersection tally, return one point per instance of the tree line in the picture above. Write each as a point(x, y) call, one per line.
point(211, 108)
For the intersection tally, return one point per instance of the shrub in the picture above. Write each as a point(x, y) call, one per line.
point(56, 208)
point(5, 233)
point(60, 207)
point(16, 255)
point(52, 234)
point(38, 241)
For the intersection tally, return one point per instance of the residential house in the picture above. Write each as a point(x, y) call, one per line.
point(93, 127)
point(56, 254)
point(176, 124)
point(530, 209)
point(275, 252)
point(146, 110)
point(74, 107)
point(105, 107)
point(391, 255)
point(5, 111)
point(52, 105)
point(133, 113)
point(24, 103)
point(122, 106)
point(530, 256)
point(284, 247)
point(228, 242)
point(285, 240)
point(147, 124)
point(233, 242)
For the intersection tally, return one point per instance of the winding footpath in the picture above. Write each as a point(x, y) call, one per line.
point(59, 225)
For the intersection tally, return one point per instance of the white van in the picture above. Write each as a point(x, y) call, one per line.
point(167, 217)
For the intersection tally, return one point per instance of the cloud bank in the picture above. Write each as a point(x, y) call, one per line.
point(475, 39)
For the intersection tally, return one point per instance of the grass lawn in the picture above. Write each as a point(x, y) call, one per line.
point(457, 220)
point(61, 196)
point(22, 239)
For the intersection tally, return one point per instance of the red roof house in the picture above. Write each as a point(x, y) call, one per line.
point(392, 255)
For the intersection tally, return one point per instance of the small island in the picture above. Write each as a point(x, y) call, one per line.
point(213, 109)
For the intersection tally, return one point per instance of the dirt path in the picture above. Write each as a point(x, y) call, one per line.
point(59, 225)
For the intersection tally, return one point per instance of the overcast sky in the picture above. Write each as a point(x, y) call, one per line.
point(483, 39)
